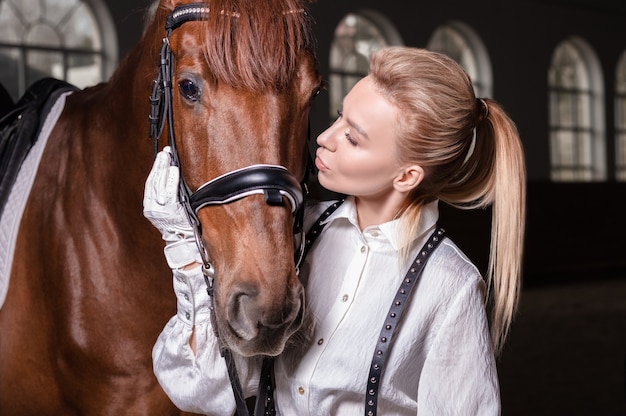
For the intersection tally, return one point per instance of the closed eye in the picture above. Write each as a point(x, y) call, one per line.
point(346, 133)
point(350, 138)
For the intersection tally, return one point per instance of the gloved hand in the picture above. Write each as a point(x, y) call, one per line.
point(162, 209)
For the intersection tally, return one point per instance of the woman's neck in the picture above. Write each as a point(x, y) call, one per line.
point(376, 211)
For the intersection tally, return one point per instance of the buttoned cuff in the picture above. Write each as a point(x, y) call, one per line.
point(182, 253)
point(192, 299)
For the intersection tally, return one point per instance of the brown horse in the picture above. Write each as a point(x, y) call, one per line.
point(89, 288)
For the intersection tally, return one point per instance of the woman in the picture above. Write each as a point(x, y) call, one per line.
point(411, 133)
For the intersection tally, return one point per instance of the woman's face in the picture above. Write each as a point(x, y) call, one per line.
point(357, 153)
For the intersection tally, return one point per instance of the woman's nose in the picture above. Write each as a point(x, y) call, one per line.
point(325, 139)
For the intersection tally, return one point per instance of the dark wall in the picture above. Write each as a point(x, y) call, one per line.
point(576, 231)
point(129, 19)
point(573, 232)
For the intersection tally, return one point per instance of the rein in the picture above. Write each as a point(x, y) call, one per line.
point(273, 181)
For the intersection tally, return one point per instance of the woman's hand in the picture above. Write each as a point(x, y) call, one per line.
point(162, 209)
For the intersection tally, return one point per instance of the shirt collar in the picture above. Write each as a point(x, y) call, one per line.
point(391, 229)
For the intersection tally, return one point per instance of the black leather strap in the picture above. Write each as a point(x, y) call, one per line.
point(316, 229)
point(240, 400)
point(265, 405)
point(187, 13)
point(393, 318)
point(237, 184)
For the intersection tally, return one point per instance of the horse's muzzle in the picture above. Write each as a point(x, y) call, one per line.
point(259, 329)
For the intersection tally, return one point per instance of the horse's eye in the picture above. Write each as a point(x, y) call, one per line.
point(189, 90)
point(317, 91)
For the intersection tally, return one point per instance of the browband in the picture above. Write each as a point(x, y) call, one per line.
point(186, 13)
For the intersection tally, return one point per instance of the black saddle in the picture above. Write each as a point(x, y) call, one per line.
point(6, 101)
point(20, 128)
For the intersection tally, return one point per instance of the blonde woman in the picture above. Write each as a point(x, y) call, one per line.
point(410, 134)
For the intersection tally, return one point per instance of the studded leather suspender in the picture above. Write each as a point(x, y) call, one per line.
point(393, 318)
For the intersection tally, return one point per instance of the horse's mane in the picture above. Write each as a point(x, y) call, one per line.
point(255, 44)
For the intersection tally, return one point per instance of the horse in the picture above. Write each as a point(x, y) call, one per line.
point(89, 288)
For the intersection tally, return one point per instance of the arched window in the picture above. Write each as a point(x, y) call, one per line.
point(620, 119)
point(461, 43)
point(58, 38)
point(356, 37)
point(577, 148)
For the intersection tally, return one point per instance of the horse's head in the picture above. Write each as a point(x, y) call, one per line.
point(242, 81)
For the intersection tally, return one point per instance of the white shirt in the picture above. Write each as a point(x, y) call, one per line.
point(441, 361)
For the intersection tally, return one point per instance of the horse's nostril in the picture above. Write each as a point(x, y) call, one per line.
point(251, 315)
point(243, 313)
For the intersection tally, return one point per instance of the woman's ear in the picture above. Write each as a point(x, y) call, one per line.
point(408, 178)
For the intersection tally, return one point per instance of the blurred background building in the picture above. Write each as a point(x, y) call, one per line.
point(559, 69)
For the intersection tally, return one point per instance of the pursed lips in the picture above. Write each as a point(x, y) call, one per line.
point(319, 163)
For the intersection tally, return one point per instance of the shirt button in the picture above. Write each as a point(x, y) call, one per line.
point(362, 249)
point(374, 233)
point(344, 298)
point(186, 296)
point(320, 341)
point(301, 390)
point(187, 315)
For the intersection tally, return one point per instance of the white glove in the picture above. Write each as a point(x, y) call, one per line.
point(161, 207)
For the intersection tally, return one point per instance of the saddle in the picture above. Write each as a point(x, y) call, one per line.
point(20, 127)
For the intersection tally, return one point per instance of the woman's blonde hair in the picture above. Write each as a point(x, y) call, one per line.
point(472, 157)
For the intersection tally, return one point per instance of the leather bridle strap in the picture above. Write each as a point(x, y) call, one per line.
point(274, 181)
point(235, 383)
point(392, 321)
point(265, 405)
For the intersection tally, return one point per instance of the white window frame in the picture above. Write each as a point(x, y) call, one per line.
point(576, 114)
point(20, 48)
point(461, 43)
point(620, 119)
point(351, 49)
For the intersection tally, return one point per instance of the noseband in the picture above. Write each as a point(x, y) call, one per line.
point(273, 181)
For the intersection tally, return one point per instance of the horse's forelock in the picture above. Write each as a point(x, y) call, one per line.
point(255, 44)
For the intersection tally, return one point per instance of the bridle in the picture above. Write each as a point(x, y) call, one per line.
point(273, 181)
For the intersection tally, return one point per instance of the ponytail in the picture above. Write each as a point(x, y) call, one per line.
point(472, 157)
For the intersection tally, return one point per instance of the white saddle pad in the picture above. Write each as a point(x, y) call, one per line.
point(12, 215)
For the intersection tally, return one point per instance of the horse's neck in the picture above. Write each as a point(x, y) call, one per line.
point(105, 128)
